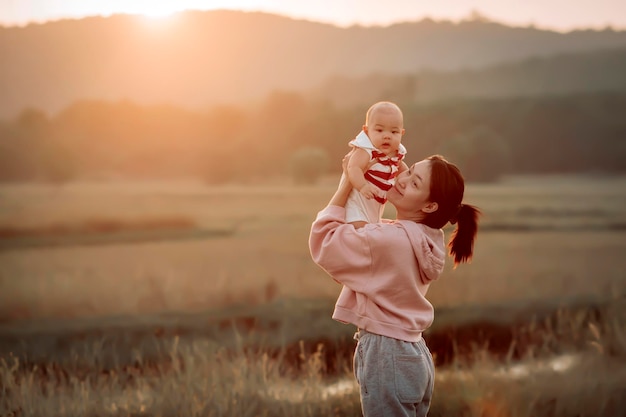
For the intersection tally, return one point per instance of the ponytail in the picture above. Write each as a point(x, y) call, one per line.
point(447, 187)
point(461, 245)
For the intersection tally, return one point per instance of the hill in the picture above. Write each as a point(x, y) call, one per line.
point(561, 74)
point(203, 58)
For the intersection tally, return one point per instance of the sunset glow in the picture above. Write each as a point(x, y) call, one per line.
point(550, 14)
point(158, 12)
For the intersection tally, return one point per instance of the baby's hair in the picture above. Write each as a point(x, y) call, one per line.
point(378, 105)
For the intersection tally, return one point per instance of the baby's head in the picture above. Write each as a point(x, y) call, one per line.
point(384, 125)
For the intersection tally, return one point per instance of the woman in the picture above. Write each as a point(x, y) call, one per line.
point(386, 269)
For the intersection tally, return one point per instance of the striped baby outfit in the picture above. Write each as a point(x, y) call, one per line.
point(383, 169)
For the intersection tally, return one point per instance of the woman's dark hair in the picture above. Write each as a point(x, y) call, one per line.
point(446, 189)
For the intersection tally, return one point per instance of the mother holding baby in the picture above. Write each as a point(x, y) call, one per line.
point(385, 269)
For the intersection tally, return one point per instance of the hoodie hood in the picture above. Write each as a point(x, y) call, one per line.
point(428, 247)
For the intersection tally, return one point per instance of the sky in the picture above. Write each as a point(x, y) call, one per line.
point(561, 15)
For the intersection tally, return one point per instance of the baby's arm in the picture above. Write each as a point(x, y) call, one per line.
point(357, 165)
point(403, 167)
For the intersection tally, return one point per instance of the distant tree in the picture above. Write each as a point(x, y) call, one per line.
point(308, 164)
point(481, 154)
point(221, 151)
point(10, 163)
point(45, 156)
point(59, 165)
point(31, 129)
point(32, 120)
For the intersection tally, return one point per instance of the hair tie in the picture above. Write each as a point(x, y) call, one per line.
point(455, 216)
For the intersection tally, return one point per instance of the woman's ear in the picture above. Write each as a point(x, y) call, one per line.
point(365, 128)
point(430, 207)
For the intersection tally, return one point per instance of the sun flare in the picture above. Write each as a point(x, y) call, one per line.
point(158, 11)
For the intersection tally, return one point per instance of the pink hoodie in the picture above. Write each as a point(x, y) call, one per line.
point(385, 268)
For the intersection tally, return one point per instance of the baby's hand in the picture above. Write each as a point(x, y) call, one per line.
point(369, 191)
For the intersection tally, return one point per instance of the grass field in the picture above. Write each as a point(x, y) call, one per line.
point(541, 238)
point(131, 325)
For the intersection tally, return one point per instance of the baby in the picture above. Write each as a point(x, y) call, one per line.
point(375, 162)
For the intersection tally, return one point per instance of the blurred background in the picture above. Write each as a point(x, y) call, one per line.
point(147, 148)
point(153, 95)
point(161, 163)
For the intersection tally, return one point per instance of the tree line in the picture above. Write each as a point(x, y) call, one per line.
point(579, 133)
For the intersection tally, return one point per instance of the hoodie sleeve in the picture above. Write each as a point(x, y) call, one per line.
point(338, 248)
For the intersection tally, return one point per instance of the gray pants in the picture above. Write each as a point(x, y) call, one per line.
point(396, 378)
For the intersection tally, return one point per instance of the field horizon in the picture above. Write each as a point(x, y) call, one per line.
point(538, 237)
point(238, 320)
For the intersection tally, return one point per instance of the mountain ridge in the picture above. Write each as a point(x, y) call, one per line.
point(206, 58)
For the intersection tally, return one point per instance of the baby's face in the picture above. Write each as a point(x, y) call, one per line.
point(385, 130)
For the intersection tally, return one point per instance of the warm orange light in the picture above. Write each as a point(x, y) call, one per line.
point(158, 11)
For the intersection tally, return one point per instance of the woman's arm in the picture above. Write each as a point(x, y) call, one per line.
point(340, 198)
point(339, 248)
point(334, 244)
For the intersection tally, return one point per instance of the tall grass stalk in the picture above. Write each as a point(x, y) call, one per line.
point(575, 369)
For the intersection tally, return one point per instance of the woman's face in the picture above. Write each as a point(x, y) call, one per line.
point(411, 192)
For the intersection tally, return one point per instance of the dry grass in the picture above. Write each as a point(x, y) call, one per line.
point(199, 379)
point(542, 239)
point(235, 375)
point(267, 256)
point(96, 226)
